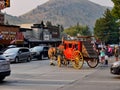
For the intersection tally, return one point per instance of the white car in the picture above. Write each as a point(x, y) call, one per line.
point(115, 68)
point(4, 68)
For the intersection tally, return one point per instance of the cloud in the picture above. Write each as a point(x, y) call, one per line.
point(19, 7)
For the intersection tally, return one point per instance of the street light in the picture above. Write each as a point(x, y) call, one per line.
point(119, 36)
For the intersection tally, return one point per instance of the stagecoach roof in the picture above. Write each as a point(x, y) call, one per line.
point(85, 36)
point(44, 41)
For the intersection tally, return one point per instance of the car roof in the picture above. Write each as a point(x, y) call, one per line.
point(19, 48)
point(40, 46)
point(12, 46)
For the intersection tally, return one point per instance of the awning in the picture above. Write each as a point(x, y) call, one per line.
point(17, 42)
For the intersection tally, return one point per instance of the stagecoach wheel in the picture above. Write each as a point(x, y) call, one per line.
point(93, 62)
point(77, 61)
point(59, 61)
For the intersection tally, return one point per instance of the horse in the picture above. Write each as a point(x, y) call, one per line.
point(53, 52)
point(52, 55)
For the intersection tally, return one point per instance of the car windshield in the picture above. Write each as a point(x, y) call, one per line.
point(11, 50)
point(37, 49)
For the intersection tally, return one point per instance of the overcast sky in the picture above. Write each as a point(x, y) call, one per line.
point(19, 7)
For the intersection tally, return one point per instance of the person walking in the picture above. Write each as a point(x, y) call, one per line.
point(116, 52)
point(102, 55)
point(109, 51)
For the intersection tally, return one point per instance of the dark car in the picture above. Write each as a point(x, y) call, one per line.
point(115, 68)
point(18, 54)
point(39, 52)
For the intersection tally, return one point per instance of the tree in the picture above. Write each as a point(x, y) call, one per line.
point(78, 29)
point(116, 8)
point(116, 11)
point(48, 23)
point(106, 28)
point(71, 31)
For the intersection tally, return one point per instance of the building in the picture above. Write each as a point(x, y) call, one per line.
point(41, 34)
point(10, 34)
point(1, 18)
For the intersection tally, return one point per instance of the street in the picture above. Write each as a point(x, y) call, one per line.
point(39, 75)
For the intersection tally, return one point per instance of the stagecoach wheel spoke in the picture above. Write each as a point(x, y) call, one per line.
point(59, 61)
point(93, 62)
point(77, 61)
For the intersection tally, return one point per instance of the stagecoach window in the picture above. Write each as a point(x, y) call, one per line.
point(65, 46)
point(70, 45)
point(76, 46)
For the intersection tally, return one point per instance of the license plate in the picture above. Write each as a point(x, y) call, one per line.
point(4, 67)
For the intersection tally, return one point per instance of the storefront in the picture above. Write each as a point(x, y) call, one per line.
point(9, 34)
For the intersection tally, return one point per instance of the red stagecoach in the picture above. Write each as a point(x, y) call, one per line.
point(77, 51)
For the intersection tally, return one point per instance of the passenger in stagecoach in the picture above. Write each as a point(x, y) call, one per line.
point(61, 47)
point(96, 48)
point(76, 47)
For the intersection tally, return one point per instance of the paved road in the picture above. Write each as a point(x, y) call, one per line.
point(39, 75)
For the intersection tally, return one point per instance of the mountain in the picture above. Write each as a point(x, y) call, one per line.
point(14, 20)
point(65, 12)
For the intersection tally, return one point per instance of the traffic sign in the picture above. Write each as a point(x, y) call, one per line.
point(7, 3)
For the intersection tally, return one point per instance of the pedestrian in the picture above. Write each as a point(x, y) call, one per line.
point(102, 55)
point(116, 52)
point(106, 60)
point(109, 51)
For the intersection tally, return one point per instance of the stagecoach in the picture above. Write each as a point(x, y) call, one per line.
point(76, 52)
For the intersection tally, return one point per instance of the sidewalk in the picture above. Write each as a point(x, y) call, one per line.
point(112, 59)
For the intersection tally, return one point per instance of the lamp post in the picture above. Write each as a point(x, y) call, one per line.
point(119, 36)
point(119, 40)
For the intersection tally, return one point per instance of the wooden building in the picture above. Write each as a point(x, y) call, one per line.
point(9, 34)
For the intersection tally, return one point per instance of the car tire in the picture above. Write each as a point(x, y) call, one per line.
point(41, 56)
point(28, 59)
point(2, 78)
point(16, 59)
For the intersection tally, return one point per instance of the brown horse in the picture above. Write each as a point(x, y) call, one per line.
point(51, 55)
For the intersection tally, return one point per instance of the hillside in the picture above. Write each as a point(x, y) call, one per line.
point(13, 20)
point(65, 12)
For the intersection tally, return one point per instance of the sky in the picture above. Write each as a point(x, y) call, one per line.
point(19, 7)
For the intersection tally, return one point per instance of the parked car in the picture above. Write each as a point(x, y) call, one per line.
point(4, 49)
point(5, 69)
point(11, 46)
point(18, 54)
point(115, 68)
point(39, 52)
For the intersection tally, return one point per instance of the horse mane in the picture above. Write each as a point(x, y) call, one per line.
point(52, 50)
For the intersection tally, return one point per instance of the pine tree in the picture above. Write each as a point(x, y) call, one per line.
point(106, 28)
point(116, 9)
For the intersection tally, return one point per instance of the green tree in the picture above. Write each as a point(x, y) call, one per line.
point(78, 29)
point(116, 9)
point(106, 28)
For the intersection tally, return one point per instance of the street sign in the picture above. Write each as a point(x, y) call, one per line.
point(4, 4)
point(7, 3)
